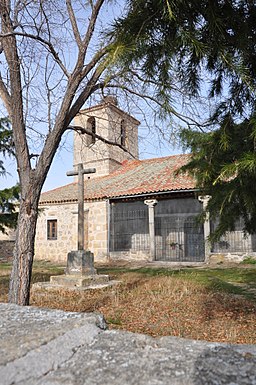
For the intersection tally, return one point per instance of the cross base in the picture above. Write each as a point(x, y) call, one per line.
point(80, 274)
point(75, 281)
point(80, 262)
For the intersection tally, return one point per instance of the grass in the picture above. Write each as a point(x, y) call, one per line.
point(42, 270)
point(210, 304)
point(249, 261)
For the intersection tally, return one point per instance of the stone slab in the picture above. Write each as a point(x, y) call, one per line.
point(54, 348)
point(79, 281)
point(92, 286)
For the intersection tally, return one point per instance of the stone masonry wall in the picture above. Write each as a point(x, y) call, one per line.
point(104, 157)
point(6, 249)
point(8, 236)
point(92, 155)
point(96, 223)
point(7, 244)
point(56, 250)
point(98, 229)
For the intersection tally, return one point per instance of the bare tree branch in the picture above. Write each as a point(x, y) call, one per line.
point(83, 130)
point(95, 60)
point(185, 119)
point(44, 42)
point(16, 110)
point(74, 24)
point(5, 96)
point(92, 22)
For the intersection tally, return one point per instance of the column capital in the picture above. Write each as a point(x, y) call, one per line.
point(150, 202)
point(204, 199)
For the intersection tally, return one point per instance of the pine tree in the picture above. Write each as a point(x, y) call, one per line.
point(8, 196)
point(190, 41)
point(224, 165)
point(207, 46)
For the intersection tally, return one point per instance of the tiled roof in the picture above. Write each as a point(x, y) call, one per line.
point(132, 178)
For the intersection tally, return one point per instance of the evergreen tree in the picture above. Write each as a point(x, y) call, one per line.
point(8, 196)
point(8, 199)
point(208, 46)
point(189, 40)
point(224, 164)
point(6, 142)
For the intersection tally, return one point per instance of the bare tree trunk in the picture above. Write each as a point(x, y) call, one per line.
point(24, 250)
point(81, 82)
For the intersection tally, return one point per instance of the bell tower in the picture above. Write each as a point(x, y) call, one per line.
point(111, 123)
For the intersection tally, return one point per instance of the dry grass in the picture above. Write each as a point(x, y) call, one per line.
point(160, 305)
point(175, 306)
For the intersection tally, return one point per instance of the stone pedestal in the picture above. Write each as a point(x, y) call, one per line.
point(80, 262)
point(80, 274)
point(81, 281)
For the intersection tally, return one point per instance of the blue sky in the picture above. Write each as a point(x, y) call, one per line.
point(150, 147)
point(152, 144)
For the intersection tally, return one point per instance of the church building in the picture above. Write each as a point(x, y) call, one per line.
point(133, 209)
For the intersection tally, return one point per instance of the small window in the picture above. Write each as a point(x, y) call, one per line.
point(91, 125)
point(52, 229)
point(123, 133)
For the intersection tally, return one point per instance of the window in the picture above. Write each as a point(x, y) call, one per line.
point(52, 229)
point(123, 133)
point(91, 125)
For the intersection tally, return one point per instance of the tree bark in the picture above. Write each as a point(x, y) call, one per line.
point(31, 180)
point(20, 280)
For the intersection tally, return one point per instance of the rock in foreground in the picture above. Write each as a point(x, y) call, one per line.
point(53, 347)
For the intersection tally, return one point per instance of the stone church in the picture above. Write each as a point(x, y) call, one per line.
point(133, 209)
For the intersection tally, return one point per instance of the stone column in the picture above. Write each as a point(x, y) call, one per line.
point(151, 219)
point(205, 199)
point(80, 262)
point(80, 222)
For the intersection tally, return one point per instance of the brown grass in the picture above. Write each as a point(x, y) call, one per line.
point(161, 306)
point(157, 305)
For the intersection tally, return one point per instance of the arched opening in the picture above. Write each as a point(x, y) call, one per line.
point(123, 133)
point(91, 126)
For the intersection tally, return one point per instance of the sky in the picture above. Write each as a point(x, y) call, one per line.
point(150, 146)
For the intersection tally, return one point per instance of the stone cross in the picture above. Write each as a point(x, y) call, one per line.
point(80, 229)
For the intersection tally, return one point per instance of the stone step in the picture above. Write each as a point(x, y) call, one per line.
point(79, 281)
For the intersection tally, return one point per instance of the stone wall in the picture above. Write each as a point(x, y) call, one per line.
point(96, 224)
point(130, 255)
point(230, 257)
point(6, 249)
point(98, 229)
point(56, 250)
point(104, 157)
point(9, 235)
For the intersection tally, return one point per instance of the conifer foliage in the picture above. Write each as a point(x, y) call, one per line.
point(8, 196)
point(192, 40)
point(224, 164)
point(208, 46)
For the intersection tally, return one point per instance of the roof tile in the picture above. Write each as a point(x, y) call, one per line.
point(132, 178)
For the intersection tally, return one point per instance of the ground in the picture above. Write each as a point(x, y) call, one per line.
point(213, 303)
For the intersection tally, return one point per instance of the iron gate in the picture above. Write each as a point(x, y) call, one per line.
point(235, 240)
point(129, 229)
point(177, 237)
